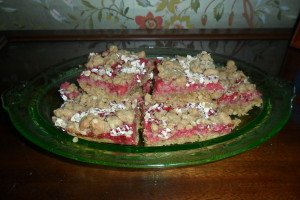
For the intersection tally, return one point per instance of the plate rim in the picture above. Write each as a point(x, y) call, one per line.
point(23, 130)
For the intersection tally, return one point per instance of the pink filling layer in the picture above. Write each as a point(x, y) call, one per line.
point(65, 85)
point(121, 139)
point(110, 87)
point(70, 95)
point(236, 97)
point(163, 87)
point(221, 129)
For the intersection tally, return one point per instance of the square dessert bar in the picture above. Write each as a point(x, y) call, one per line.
point(187, 74)
point(198, 75)
point(166, 124)
point(116, 72)
point(95, 118)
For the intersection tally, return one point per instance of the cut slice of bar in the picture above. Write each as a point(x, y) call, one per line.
point(98, 119)
point(166, 124)
point(115, 72)
point(196, 77)
point(240, 95)
point(187, 74)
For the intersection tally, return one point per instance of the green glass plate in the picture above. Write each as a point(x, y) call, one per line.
point(30, 107)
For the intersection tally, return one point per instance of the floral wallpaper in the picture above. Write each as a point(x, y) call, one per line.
point(146, 14)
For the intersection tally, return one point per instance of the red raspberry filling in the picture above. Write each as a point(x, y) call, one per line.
point(64, 87)
point(221, 129)
point(236, 97)
point(110, 87)
point(164, 87)
point(120, 139)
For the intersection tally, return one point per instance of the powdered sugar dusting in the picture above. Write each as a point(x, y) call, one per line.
point(136, 67)
point(60, 123)
point(98, 111)
point(123, 130)
point(194, 77)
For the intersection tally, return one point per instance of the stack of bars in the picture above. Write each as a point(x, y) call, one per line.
point(172, 100)
point(106, 106)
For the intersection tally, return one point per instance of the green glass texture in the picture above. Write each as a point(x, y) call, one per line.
point(30, 107)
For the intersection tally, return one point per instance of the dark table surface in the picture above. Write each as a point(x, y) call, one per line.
point(269, 171)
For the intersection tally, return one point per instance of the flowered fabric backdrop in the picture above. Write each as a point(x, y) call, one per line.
point(146, 14)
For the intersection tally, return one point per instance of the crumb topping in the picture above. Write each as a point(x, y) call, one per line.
point(105, 64)
point(98, 111)
point(116, 67)
point(136, 67)
point(190, 70)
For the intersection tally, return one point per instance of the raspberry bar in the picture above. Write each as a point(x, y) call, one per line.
point(198, 77)
point(187, 74)
point(166, 124)
point(115, 72)
point(95, 118)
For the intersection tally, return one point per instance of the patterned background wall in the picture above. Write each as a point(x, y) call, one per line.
point(146, 14)
point(143, 14)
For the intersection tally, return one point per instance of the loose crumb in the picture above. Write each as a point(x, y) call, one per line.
point(75, 139)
